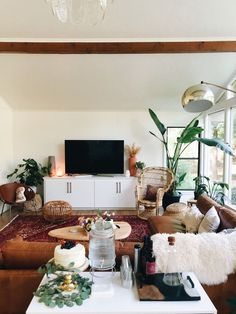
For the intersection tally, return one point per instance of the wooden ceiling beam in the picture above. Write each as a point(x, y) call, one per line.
point(117, 47)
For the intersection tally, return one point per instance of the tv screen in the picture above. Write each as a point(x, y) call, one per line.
point(94, 156)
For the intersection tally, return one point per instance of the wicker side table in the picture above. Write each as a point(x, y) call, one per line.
point(57, 210)
point(176, 210)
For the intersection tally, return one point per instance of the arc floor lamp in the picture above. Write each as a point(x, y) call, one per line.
point(200, 97)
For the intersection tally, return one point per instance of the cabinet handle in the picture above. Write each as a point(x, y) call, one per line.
point(70, 187)
point(119, 187)
point(67, 187)
point(116, 187)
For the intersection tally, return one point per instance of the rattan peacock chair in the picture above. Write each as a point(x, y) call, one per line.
point(153, 183)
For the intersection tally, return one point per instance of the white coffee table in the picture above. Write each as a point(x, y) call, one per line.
point(126, 301)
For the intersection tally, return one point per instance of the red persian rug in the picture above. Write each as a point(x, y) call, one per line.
point(36, 228)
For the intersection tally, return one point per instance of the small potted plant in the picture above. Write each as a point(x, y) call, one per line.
point(29, 172)
point(140, 165)
point(201, 186)
point(214, 190)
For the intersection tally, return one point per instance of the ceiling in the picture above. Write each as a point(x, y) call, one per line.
point(114, 81)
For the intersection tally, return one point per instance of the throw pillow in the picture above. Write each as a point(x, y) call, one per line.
point(210, 222)
point(192, 219)
point(151, 193)
point(20, 196)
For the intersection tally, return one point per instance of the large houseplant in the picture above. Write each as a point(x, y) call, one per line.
point(214, 190)
point(29, 172)
point(189, 134)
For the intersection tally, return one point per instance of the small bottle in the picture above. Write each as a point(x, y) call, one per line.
point(137, 251)
point(143, 254)
point(171, 277)
point(150, 268)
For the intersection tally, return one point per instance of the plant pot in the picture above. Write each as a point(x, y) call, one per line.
point(169, 198)
point(132, 166)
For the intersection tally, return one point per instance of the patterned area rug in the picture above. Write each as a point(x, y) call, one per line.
point(36, 228)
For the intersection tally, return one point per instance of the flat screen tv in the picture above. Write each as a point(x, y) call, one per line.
point(94, 156)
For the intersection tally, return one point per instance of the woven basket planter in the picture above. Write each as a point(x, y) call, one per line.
point(57, 211)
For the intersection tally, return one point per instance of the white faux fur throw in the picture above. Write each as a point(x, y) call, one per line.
point(211, 256)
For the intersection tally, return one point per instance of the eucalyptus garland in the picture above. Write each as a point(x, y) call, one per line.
point(51, 295)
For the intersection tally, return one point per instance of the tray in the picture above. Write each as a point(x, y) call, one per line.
point(152, 288)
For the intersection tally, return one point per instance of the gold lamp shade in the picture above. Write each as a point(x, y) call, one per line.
point(197, 98)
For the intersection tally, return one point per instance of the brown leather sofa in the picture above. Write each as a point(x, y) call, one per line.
point(19, 278)
point(219, 294)
point(20, 259)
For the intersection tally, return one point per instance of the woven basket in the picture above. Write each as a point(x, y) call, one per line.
point(176, 210)
point(57, 211)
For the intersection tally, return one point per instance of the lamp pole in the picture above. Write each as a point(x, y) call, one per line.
point(225, 88)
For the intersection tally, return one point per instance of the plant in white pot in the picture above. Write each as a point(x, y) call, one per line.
point(190, 134)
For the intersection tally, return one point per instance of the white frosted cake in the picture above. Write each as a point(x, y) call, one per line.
point(64, 256)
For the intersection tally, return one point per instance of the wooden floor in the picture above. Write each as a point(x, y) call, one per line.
point(8, 216)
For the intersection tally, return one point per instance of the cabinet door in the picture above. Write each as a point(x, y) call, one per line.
point(79, 193)
point(126, 195)
point(58, 189)
point(82, 193)
point(106, 192)
point(115, 193)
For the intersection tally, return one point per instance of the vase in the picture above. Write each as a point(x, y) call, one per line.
point(52, 166)
point(132, 166)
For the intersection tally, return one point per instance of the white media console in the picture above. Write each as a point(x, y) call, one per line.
point(92, 191)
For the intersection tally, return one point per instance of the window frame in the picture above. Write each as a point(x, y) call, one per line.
point(227, 106)
point(186, 158)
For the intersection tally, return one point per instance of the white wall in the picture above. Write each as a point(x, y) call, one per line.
point(41, 134)
point(6, 140)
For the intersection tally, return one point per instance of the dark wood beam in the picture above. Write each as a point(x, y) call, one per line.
point(117, 47)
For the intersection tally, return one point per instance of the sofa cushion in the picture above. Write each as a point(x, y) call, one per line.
point(162, 224)
point(19, 254)
point(192, 219)
point(210, 222)
point(227, 218)
point(204, 203)
point(17, 287)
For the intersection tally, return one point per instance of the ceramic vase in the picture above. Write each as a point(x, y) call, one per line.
point(132, 165)
point(52, 163)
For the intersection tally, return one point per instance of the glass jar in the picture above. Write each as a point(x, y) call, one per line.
point(102, 247)
point(171, 277)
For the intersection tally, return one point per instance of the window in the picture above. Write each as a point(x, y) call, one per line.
point(216, 156)
point(233, 171)
point(217, 165)
point(189, 161)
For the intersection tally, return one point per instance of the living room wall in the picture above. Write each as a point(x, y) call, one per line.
point(6, 139)
point(42, 133)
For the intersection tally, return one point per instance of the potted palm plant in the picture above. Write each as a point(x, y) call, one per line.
point(190, 134)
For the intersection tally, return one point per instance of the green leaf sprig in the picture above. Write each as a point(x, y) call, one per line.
point(51, 295)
